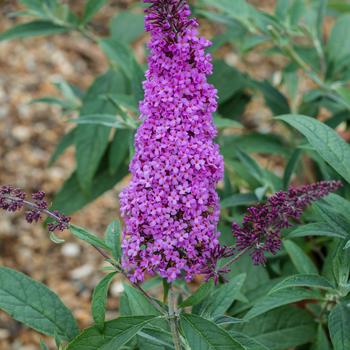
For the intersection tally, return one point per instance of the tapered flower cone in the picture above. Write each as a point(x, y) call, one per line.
point(171, 208)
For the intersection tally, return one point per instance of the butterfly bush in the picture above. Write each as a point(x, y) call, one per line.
point(261, 227)
point(171, 208)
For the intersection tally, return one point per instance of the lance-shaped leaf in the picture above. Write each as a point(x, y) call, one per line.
point(35, 305)
point(115, 334)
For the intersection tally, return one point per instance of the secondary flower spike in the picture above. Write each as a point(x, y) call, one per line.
point(260, 231)
point(171, 207)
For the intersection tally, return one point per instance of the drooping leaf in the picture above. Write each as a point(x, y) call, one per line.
point(315, 229)
point(35, 28)
point(223, 297)
point(66, 141)
point(119, 149)
point(280, 298)
point(88, 237)
point(339, 326)
point(290, 168)
point(301, 261)
point(138, 303)
point(248, 342)
point(226, 79)
point(91, 141)
point(326, 142)
point(239, 199)
point(91, 8)
point(122, 56)
point(99, 299)
point(35, 305)
point(338, 46)
point(311, 281)
point(321, 342)
point(280, 329)
point(206, 335)
point(111, 121)
point(122, 21)
point(112, 238)
point(72, 198)
point(200, 294)
point(115, 334)
point(274, 99)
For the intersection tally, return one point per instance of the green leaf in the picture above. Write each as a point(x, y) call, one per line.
point(91, 8)
point(226, 79)
point(238, 9)
point(122, 21)
point(339, 326)
point(315, 229)
point(66, 141)
point(341, 266)
point(280, 298)
point(251, 165)
point(274, 99)
point(290, 167)
point(301, 261)
point(138, 303)
point(200, 294)
point(99, 299)
point(43, 346)
point(311, 281)
point(248, 342)
point(239, 199)
point(321, 342)
point(92, 140)
point(115, 334)
point(338, 46)
point(155, 338)
point(223, 123)
point(112, 238)
point(35, 28)
point(223, 297)
point(111, 121)
point(54, 238)
point(206, 335)
point(35, 305)
point(122, 56)
point(327, 143)
point(333, 218)
point(119, 149)
point(281, 329)
point(72, 198)
point(65, 105)
point(88, 237)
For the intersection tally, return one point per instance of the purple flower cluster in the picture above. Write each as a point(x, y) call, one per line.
point(13, 199)
point(171, 208)
point(260, 231)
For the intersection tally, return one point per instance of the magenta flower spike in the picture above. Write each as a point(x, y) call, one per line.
point(260, 231)
point(171, 208)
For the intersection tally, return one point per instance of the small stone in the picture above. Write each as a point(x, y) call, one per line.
point(70, 250)
point(21, 133)
point(4, 334)
point(117, 288)
point(82, 271)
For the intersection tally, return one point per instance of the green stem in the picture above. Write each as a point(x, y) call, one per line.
point(235, 258)
point(173, 319)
